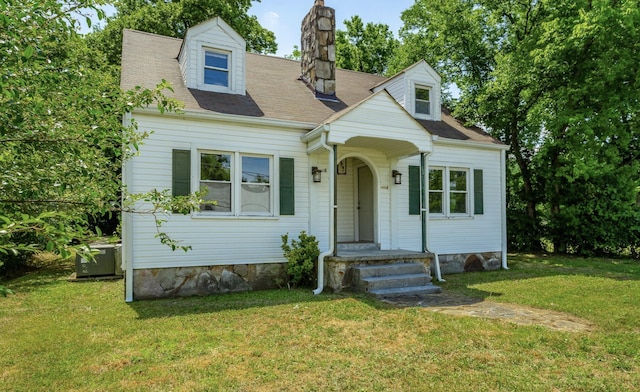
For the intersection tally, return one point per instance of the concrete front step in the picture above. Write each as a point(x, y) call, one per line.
point(399, 292)
point(369, 271)
point(357, 246)
point(395, 281)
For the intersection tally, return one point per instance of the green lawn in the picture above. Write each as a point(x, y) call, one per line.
point(62, 336)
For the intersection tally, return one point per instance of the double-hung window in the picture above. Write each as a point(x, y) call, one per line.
point(240, 184)
point(255, 192)
point(423, 101)
point(448, 191)
point(216, 68)
point(458, 192)
point(216, 171)
point(436, 191)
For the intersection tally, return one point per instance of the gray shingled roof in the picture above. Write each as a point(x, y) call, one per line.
point(273, 89)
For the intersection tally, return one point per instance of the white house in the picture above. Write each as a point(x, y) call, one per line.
point(286, 146)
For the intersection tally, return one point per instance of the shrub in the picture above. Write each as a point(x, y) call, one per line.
point(301, 255)
point(4, 291)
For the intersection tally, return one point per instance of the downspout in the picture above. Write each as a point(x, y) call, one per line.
point(127, 229)
point(332, 211)
point(503, 179)
point(424, 215)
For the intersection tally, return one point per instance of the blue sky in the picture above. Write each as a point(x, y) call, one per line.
point(283, 17)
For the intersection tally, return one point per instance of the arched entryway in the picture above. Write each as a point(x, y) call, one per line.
point(356, 201)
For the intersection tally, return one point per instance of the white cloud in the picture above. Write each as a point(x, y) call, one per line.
point(270, 20)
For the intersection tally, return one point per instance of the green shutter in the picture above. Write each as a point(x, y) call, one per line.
point(287, 188)
point(478, 192)
point(414, 190)
point(181, 177)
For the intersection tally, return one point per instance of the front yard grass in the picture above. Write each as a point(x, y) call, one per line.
point(56, 335)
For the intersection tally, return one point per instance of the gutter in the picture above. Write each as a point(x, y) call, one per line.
point(425, 214)
point(190, 114)
point(333, 208)
point(470, 143)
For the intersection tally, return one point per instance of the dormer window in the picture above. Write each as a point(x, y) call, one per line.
point(423, 101)
point(212, 58)
point(216, 68)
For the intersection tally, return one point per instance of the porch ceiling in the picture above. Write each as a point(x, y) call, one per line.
point(392, 148)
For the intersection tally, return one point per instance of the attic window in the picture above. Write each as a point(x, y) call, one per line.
point(216, 68)
point(423, 101)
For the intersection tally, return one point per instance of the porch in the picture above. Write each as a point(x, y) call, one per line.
point(362, 267)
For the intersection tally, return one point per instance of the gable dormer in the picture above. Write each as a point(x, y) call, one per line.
point(418, 90)
point(212, 58)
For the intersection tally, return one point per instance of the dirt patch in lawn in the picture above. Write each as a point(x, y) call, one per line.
point(459, 305)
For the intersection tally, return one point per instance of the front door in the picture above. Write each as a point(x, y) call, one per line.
point(365, 204)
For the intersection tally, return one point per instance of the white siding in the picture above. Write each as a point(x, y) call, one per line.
point(215, 240)
point(423, 76)
point(381, 118)
point(213, 34)
point(319, 208)
point(482, 233)
point(402, 88)
point(398, 90)
point(473, 234)
point(407, 228)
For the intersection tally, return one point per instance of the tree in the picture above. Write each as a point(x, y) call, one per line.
point(61, 132)
point(539, 75)
point(364, 48)
point(295, 54)
point(173, 18)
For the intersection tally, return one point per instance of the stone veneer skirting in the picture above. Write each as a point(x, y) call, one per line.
point(469, 262)
point(190, 281)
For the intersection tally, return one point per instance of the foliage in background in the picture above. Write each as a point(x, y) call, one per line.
point(295, 54)
point(559, 81)
point(301, 257)
point(62, 136)
point(172, 18)
point(365, 48)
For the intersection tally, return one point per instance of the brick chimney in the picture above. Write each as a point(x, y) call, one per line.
point(318, 50)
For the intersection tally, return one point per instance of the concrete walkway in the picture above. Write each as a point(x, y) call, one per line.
point(458, 305)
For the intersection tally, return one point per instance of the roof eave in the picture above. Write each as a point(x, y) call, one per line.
point(471, 143)
point(230, 118)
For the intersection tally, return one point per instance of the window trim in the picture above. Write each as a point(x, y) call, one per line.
point(416, 87)
point(236, 184)
point(416, 100)
point(202, 66)
point(440, 191)
point(239, 162)
point(446, 192)
point(232, 170)
point(465, 192)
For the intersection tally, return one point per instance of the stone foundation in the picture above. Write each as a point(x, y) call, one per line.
point(458, 263)
point(190, 281)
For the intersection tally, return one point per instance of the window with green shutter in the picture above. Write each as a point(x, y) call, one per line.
point(478, 192)
point(287, 187)
point(181, 176)
point(414, 190)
